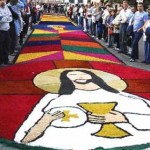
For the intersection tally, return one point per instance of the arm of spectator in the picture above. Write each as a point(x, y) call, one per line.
point(6, 18)
point(144, 27)
point(14, 14)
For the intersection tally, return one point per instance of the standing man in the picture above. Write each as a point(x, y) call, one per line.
point(139, 20)
point(125, 15)
point(5, 18)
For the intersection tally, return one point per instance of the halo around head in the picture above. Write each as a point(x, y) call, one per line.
point(50, 80)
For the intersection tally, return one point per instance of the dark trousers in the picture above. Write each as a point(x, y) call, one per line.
point(25, 28)
point(123, 37)
point(110, 40)
point(105, 33)
point(116, 39)
point(4, 46)
point(135, 45)
point(147, 51)
point(13, 37)
point(94, 28)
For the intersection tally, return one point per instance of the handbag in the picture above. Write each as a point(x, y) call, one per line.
point(110, 31)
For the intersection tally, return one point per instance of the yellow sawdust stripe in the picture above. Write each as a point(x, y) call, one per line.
point(74, 56)
point(31, 56)
point(38, 31)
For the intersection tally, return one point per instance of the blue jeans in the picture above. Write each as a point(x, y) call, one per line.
point(123, 37)
point(89, 25)
point(147, 51)
point(94, 28)
point(135, 45)
point(111, 40)
point(80, 21)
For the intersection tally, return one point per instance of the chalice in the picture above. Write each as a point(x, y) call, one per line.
point(109, 130)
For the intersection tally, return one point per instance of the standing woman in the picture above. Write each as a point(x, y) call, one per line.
point(146, 29)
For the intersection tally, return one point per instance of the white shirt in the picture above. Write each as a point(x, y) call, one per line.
point(81, 11)
point(125, 15)
point(5, 18)
point(105, 15)
point(89, 13)
point(94, 12)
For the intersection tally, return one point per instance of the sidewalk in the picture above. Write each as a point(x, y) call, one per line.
point(126, 58)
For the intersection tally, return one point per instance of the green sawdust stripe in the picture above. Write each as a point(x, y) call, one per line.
point(85, 49)
point(134, 147)
point(25, 147)
point(39, 35)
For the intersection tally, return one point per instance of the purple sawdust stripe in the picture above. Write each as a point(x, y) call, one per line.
point(56, 56)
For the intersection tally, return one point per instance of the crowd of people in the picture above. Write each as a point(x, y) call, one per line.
point(16, 18)
point(54, 8)
point(121, 26)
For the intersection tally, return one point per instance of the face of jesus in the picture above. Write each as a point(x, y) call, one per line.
point(79, 77)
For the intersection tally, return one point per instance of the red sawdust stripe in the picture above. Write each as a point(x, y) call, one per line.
point(41, 48)
point(142, 85)
point(19, 87)
point(44, 38)
point(14, 109)
point(82, 44)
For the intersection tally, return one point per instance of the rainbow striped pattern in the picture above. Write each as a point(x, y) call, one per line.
point(56, 38)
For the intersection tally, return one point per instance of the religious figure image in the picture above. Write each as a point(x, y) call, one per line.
point(85, 109)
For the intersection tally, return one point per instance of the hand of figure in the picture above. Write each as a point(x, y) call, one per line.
point(54, 116)
point(111, 117)
point(38, 128)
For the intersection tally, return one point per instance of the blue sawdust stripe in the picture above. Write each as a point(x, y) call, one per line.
point(37, 43)
point(54, 23)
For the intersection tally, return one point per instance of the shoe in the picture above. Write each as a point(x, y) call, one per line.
point(120, 51)
point(132, 60)
point(117, 49)
point(147, 63)
point(143, 61)
point(3, 65)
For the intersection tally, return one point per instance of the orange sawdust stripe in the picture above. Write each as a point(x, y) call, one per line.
point(44, 38)
point(82, 44)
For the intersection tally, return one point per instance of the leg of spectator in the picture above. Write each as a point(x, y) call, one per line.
point(148, 53)
point(135, 47)
point(5, 46)
point(145, 50)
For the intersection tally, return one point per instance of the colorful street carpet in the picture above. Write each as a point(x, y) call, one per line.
point(66, 91)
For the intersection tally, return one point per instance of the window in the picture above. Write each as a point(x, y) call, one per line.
point(71, 1)
point(80, 1)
